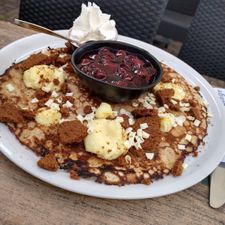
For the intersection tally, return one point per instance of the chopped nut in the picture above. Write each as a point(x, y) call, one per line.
point(145, 135)
point(68, 104)
point(135, 104)
point(197, 122)
point(166, 106)
point(181, 147)
point(173, 101)
point(10, 87)
point(188, 137)
point(190, 118)
point(185, 166)
point(143, 126)
point(161, 110)
point(185, 109)
point(34, 100)
point(54, 94)
point(120, 119)
point(149, 155)
point(73, 156)
point(131, 121)
point(51, 104)
point(69, 94)
point(128, 159)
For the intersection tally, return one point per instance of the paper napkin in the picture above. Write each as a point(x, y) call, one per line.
point(221, 94)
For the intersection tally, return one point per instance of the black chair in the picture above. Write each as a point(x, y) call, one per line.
point(204, 47)
point(177, 19)
point(135, 18)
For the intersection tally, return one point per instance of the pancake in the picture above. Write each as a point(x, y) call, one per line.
point(161, 127)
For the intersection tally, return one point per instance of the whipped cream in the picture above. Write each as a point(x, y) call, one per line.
point(92, 24)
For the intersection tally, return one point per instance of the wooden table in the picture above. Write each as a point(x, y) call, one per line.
point(25, 200)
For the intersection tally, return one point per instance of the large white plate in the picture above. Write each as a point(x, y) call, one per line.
point(198, 168)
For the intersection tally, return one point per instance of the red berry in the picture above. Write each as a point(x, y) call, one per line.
point(143, 73)
point(133, 62)
point(122, 72)
point(152, 70)
point(137, 82)
point(128, 76)
point(84, 69)
point(85, 62)
point(110, 68)
point(93, 56)
point(121, 54)
point(138, 63)
point(106, 59)
point(148, 78)
point(105, 53)
point(121, 83)
point(99, 74)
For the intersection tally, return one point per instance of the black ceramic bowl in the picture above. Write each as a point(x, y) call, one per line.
point(108, 91)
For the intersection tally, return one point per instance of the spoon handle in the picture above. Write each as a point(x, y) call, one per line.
point(41, 29)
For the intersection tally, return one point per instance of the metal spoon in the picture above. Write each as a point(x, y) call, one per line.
point(38, 28)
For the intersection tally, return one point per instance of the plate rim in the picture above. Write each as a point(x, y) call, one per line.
point(4, 150)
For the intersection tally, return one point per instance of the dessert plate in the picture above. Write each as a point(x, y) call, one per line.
point(210, 155)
